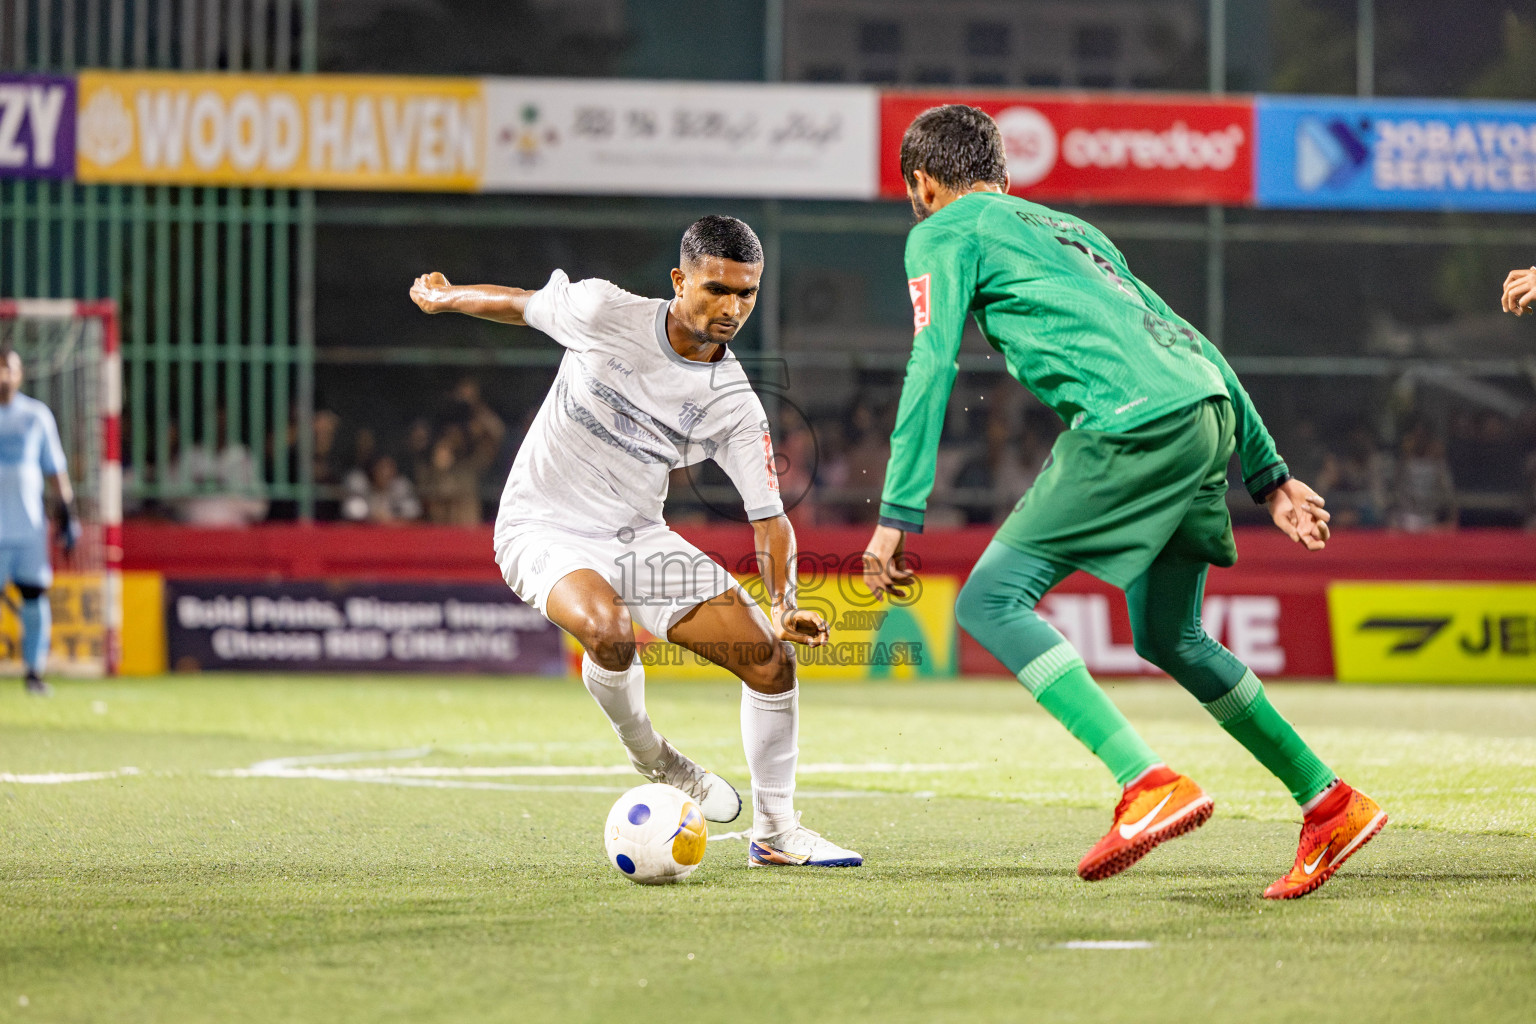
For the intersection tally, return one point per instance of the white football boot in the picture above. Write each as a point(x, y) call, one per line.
point(717, 799)
point(800, 847)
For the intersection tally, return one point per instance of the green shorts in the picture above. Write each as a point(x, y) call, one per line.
point(1109, 503)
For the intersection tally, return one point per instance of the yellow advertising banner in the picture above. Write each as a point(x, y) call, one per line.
point(1433, 632)
point(78, 629)
point(286, 131)
point(911, 639)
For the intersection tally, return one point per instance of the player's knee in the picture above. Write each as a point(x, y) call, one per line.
point(982, 600)
point(971, 607)
point(771, 669)
point(30, 592)
point(608, 636)
point(1169, 651)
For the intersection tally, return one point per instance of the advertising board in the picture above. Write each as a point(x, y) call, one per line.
point(291, 131)
point(356, 626)
point(1100, 149)
point(678, 138)
point(37, 126)
point(1323, 152)
point(1434, 632)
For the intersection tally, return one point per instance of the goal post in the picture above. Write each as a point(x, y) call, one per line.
point(72, 363)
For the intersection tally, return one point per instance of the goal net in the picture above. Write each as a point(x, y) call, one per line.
point(69, 350)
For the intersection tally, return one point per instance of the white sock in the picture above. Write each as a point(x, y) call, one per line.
point(770, 734)
point(1307, 807)
point(621, 695)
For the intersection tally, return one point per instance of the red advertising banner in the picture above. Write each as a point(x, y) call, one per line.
point(1089, 149)
point(1277, 627)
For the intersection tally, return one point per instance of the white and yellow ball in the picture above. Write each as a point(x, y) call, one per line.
point(655, 834)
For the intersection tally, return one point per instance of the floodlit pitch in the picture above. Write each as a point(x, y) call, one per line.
point(430, 849)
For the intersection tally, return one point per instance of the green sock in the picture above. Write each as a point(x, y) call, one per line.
point(1248, 716)
point(1060, 683)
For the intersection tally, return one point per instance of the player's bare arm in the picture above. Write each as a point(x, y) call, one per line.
point(1299, 513)
point(885, 571)
point(1519, 290)
point(775, 545)
point(434, 294)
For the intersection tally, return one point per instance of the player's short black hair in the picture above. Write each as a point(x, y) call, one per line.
point(6, 351)
point(722, 237)
point(955, 145)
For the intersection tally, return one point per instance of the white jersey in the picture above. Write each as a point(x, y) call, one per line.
point(625, 411)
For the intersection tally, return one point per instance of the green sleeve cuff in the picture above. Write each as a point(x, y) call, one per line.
point(901, 517)
point(1263, 483)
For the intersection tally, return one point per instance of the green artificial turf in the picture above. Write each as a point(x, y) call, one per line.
point(214, 884)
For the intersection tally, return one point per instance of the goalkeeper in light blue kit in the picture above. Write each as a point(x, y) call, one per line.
point(30, 453)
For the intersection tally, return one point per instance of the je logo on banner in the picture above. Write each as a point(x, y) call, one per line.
point(1433, 632)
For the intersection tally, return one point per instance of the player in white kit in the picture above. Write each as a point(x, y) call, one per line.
point(30, 453)
point(647, 386)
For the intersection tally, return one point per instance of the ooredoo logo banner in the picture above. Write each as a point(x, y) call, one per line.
point(1087, 149)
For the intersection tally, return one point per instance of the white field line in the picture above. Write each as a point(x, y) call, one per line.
point(309, 768)
point(58, 778)
point(473, 777)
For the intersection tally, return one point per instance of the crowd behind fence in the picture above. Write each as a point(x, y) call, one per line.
point(1436, 469)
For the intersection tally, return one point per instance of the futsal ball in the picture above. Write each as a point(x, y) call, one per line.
point(655, 834)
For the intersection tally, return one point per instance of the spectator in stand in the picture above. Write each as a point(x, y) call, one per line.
point(796, 454)
point(1488, 458)
point(871, 448)
point(1355, 480)
point(449, 484)
point(329, 471)
point(485, 429)
point(1304, 451)
point(215, 485)
point(380, 495)
point(1002, 468)
point(831, 472)
point(418, 446)
point(1423, 493)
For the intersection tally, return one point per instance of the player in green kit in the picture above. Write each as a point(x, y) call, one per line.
point(1134, 492)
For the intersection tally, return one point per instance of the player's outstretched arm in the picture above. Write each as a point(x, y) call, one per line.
point(775, 542)
point(1298, 511)
point(434, 294)
point(1519, 290)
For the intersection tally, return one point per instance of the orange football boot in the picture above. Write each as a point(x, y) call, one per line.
point(1346, 820)
point(1157, 807)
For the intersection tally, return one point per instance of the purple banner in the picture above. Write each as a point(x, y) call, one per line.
point(355, 627)
point(37, 126)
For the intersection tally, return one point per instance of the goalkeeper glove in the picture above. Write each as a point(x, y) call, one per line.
point(69, 526)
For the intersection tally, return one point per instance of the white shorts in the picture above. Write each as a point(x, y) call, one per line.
point(659, 575)
point(26, 561)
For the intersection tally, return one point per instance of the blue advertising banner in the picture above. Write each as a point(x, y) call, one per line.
point(1334, 153)
point(37, 126)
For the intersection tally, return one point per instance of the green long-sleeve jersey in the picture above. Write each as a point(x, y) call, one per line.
point(1054, 296)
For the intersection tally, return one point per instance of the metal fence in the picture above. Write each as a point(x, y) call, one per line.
point(216, 285)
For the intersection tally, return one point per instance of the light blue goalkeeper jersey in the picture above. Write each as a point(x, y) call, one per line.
point(30, 452)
